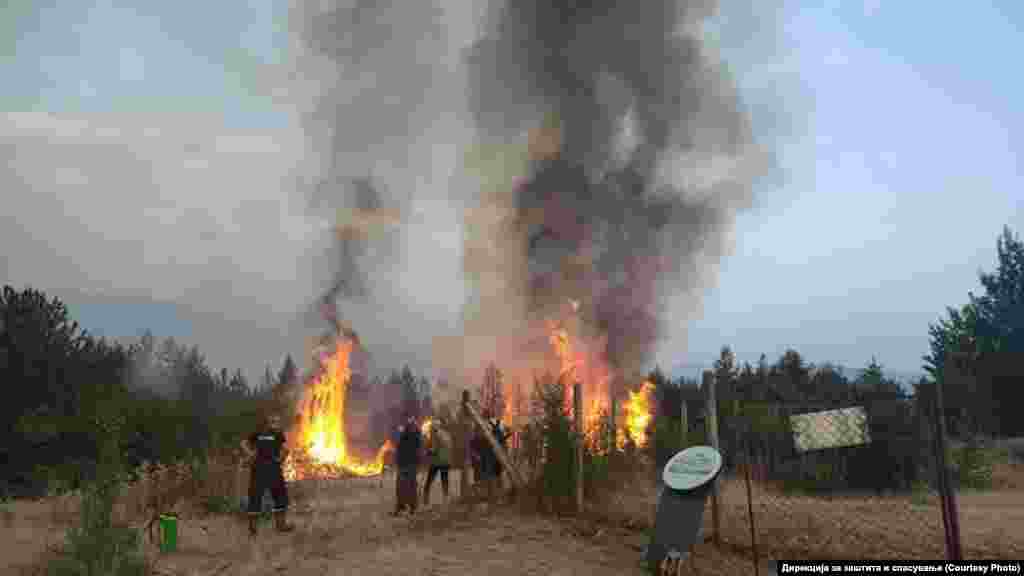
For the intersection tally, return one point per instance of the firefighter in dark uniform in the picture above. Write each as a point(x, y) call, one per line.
point(266, 450)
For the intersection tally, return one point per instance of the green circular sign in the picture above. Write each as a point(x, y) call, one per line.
point(692, 468)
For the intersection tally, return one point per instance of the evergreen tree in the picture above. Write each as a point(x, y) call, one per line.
point(492, 396)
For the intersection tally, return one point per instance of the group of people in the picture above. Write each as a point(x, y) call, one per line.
point(266, 450)
point(438, 448)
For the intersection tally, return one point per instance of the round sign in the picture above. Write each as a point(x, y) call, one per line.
point(692, 468)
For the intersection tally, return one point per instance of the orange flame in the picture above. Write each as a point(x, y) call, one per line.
point(638, 416)
point(576, 365)
point(567, 364)
point(319, 431)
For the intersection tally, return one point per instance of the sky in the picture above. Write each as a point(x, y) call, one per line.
point(147, 144)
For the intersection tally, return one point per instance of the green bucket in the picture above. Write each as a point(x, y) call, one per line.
point(168, 533)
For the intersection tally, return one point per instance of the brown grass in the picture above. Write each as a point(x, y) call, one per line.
point(892, 527)
point(343, 527)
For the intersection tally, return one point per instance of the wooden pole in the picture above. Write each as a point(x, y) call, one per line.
point(940, 477)
point(612, 429)
point(712, 429)
point(506, 462)
point(684, 426)
point(950, 516)
point(750, 504)
point(464, 462)
point(577, 410)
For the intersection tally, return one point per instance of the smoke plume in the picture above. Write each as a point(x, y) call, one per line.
point(563, 152)
point(640, 155)
point(380, 102)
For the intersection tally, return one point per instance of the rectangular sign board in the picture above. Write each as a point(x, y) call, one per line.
point(830, 429)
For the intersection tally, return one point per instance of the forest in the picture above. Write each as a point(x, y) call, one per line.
point(60, 381)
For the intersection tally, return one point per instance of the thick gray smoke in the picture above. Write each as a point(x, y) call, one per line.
point(379, 108)
point(638, 157)
point(641, 156)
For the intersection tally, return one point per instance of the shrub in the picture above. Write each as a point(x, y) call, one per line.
point(96, 545)
point(6, 514)
point(218, 505)
point(920, 494)
point(556, 482)
point(973, 463)
point(549, 445)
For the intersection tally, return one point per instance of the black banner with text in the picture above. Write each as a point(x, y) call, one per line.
point(898, 567)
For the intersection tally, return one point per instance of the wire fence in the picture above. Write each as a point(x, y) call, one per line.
point(834, 481)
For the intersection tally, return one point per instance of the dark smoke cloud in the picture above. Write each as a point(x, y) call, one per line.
point(621, 218)
point(373, 82)
point(634, 212)
point(349, 248)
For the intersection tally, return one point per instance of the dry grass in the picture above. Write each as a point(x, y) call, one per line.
point(863, 527)
point(1008, 476)
point(343, 527)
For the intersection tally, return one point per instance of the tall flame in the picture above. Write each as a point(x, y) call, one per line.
point(577, 365)
point(319, 430)
point(567, 363)
point(638, 416)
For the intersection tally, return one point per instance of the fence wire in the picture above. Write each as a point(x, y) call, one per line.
point(831, 482)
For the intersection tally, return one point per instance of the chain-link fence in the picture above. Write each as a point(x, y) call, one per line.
point(830, 481)
point(853, 480)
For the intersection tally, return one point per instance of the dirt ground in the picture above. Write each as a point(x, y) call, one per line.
point(343, 527)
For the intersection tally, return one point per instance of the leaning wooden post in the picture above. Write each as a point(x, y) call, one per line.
point(506, 462)
point(577, 410)
point(712, 429)
point(465, 460)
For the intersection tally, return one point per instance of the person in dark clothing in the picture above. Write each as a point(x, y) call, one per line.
point(501, 435)
point(488, 461)
point(481, 460)
point(266, 450)
point(477, 446)
point(407, 460)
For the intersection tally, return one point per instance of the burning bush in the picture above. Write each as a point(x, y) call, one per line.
point(318, 441)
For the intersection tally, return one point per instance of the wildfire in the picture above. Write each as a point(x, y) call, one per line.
point(319, 431)
point(638, 416)
point(567, 370)
point(576, 364)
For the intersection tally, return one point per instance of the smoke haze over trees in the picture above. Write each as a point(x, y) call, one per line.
point(56, 377)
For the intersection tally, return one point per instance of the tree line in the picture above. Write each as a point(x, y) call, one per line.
point(58, 378)
point(976, 354)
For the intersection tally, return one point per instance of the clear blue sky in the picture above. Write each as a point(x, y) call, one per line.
point(904, 165)
point(900, 137)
